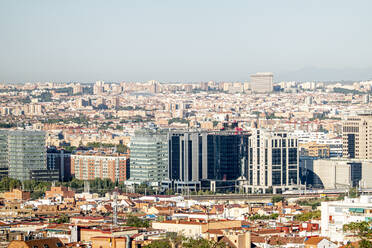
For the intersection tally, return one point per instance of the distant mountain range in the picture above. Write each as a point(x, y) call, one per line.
point(347, 75)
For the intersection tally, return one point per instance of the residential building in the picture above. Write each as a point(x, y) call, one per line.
point(262, 82)
point(319, 242)
point(335, 214)
point(149, 157)
point(16, 194)
point(194, 228)
point(47, 242)
point(357, 136)
point(89, 166)
point(59, 191)
point(313, 149)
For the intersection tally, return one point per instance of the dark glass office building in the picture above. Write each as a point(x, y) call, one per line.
point(197, 158)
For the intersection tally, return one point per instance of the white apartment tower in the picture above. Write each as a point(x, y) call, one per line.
point(262, 82)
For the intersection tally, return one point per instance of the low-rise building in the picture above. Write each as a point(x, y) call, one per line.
point(195, 228)
point(336, 214)
point(42, 243)
point(60, 191)
point(16, 194)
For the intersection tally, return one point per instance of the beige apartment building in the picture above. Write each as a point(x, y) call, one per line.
point(356, 134)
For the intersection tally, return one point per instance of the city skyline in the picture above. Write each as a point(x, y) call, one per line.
point(184, 41)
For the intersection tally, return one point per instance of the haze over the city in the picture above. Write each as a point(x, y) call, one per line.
point(190, 40)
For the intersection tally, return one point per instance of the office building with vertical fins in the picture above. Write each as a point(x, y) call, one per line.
point(273, 163)
point(205, 160)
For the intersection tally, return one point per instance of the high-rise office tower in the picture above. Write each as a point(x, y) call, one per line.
point(357, 136)
point(262, 82)
point(148, 157)
point(26, 152)
point(273, 162)
point(59, 160)
point(197, 158)
point(3, 153)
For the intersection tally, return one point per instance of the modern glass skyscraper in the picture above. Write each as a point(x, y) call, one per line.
point(196, 157)
point(26, 152)
point(149, 157)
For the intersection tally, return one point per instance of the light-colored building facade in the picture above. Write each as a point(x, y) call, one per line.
point(338, 213)
point(262, 82)
point(343, 173)
point(357, 136)
point(88, 166)
point(273, 162)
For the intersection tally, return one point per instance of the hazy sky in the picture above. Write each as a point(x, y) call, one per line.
point(188, 40)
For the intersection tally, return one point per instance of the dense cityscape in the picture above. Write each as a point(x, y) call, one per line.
point(211, 164)
point(185, 124)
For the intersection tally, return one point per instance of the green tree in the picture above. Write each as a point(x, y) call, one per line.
point(159, 244)
point(121, 148)
point(202, 243)
point(136, 222)
point(308, 216)
point(363, 230)
point(353, 193)
point(277, 198)
point(7, 184)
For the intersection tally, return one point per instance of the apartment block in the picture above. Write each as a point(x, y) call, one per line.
point(88, 166)
point(336, 214)
point(262, 82)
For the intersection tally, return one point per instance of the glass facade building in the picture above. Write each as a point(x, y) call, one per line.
point(3, 153)
point(200, 156)
point(149, 157)
point(26, 152)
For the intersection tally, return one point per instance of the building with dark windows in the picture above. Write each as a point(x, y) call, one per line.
point(59, 160)
point(355, 136)
point(4, 166)
point(273, 163)
point(201, 160)
point(342, 173)
point(22, 151)
point(45, 175)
